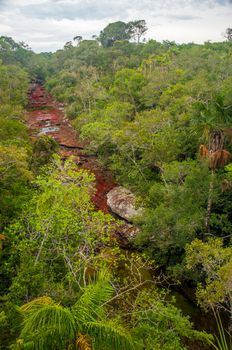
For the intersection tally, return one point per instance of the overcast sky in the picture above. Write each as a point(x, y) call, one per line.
point(47, 24)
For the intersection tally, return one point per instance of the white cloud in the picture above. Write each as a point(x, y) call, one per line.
point(47, 24)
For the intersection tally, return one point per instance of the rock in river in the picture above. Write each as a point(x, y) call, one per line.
point(121, 201)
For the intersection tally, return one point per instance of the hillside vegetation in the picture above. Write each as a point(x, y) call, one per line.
point(159, 117)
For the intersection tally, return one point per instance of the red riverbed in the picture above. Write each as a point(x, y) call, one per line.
point(45, 116)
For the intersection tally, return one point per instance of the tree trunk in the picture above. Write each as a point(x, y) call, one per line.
point(210, 202)
point(40, 248)
point(230, 320)
point(216, 141)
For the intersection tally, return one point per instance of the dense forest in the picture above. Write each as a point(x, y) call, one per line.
point(158, 117)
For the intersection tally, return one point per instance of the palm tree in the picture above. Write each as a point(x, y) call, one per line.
point(48, 325)
point(215, 116)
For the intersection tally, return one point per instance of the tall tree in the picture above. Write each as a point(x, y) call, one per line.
point(215, 118)
point(215, 263)
point(228, 34)
point(77, 39)
point(137, 29)
point(112, 32)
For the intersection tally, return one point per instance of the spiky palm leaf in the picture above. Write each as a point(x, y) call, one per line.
point(47, 325)
point(109, 335)
point(36, 303)
point(89, 305)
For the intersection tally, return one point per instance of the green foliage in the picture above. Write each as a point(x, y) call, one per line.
point(42, 152)
point(112, 32)
point(160, 325)
point(119, 31)
point(14, 169)
point(12, 52)
point(228, 168)
point(177, 211)
point(60, 221)
point(109, 335)
point(15, 174)
point(13, 85)
point(137, 29)
point(12, 131)
point(127, 85)
point(48, 325)
point(215, 262)
point(144, 109)
point(89, 305)
point(148, 109)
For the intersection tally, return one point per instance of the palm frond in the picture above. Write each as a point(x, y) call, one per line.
point(89, 306)
point(36, 303)
point(109, 335)
point(48, 326)
point(27, 346)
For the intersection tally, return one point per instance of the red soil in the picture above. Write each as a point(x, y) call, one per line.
point(46, 116)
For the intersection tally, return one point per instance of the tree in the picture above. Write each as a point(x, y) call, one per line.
point(13, 85)
point(68, 45)
point(228, 34)
point(24, 45)
point(12, 52)
point(127, 86)
point(78, 39)
point(176, 211)
point(48, 325)
point(14, 179)
point(214, 119)
point(213, 261)
point(43, 150)
point(59, 231)
point(160, 325)
point(112, 32)
point(137, 29)
point(8, 42)
point(15, 175)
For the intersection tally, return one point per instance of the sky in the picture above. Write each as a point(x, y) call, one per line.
point(46, 25)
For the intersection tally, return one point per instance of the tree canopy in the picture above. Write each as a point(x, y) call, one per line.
point(156, 116)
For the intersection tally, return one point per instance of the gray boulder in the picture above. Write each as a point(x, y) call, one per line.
point(121, 201)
